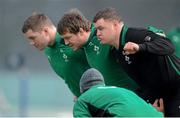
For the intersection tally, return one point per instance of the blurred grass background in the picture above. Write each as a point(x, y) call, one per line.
point(34, 94)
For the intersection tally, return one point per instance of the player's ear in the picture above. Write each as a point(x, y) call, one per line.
point(46, 30)
point(115, 23)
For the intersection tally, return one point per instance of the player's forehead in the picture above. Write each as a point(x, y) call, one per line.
point(31, 34)
point(67, 34)
point(102, 22)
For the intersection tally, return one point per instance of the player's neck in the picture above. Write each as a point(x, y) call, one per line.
point(53, 36)
point(86, 35)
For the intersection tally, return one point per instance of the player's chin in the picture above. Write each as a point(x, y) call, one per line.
point(103, 42)
point(41, 49)
point(75, 49)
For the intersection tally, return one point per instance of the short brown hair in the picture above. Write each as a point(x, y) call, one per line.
point(35, 22)
point(107, 14)
point(72, 21)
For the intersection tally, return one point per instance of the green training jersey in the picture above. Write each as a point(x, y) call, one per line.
point(68, 64)
point(111, 101)
point(99, 56)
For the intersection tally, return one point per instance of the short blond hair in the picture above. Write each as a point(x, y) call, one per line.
point(35, 22)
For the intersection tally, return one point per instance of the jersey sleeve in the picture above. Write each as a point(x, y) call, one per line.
point(150, 42)
point(80, 109)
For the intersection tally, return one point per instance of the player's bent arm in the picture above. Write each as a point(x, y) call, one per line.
point(150, 42)
point(157, 45)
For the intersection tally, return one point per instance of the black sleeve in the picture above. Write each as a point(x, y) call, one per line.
point(149, 41)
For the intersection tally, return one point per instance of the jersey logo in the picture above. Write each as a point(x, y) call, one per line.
point(65, 57)
point(147, 38)
point(96, 48)
point(126, 58)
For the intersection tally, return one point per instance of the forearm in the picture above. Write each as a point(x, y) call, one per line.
point(157, 46)
point(150, 42)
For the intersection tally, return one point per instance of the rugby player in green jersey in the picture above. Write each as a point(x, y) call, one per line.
point(69, 65)
point(78, 33)
point(99, 100)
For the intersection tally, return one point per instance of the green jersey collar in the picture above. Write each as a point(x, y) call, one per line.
point(123, 36)
point(93, 32)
